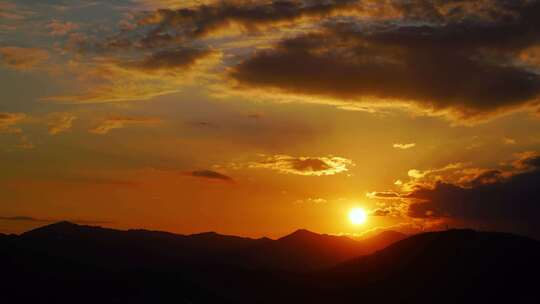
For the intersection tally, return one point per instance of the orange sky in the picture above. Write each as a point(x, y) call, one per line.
point(261, 117)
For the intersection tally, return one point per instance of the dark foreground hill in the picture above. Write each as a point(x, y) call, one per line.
point(67, 263)
point(455, 266)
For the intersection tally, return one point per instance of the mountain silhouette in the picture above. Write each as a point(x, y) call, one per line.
point(454, 266)
point(298, 252)
point(304, 250)
point(69, 263)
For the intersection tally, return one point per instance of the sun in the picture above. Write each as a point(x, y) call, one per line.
point(357, 216)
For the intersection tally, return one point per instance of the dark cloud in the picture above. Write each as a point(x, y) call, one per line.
point(208, 174)
point(308, 166)
point(449, 62)
point(168, 59)
point(531, 162)
point(189, 23)
point(465, 59)
point(512, 201)
point(486, 177)
point(384, 195)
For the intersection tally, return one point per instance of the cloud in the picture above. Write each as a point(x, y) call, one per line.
point(385, 195)
point(442, 58)
point(59, 28)
point(308, 166)
point(431, 57)
point(108, 79)
point(8, 125)
point(60, 122)
point(19, 58)
point(391, 207)
point(208, 174)
point(168, 60)
point(8, 121)
point(121, 122)
point(501, 199)
point(179, 25)
point(404, 146)
point(419, 174)
point(172, 4)
point(509, 141)
point(24, 143)
point(310, 200)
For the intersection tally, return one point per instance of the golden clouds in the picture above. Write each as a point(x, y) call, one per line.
point(201, 21)
point(495, 196)
point(121, 122)
point(56, 123)
point(168, 60)
point(311, 200)
point(307, 166)
point(340, 52)
point(492, 197)
point(8, 122)
point(404, 146)
point(431, 175)
point(394, 67)
point(22, 58)
point(60, 122)
point(8, 125)
point(343, 53)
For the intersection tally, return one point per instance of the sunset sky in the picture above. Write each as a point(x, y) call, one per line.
point(257, 118)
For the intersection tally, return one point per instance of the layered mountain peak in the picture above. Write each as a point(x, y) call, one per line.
point(59, 227)
point(65, 229)
point(301, 234)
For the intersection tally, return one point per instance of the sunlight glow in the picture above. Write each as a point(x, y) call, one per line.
point(357, 216)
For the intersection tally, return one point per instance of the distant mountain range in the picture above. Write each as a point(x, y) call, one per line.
point(69, 263)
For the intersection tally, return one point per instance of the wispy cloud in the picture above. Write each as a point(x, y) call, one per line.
point(311, 200)
point(9, 125)
point(8, 122)
point(60, 122)
point(122, 122)
point(109, 79)
point(404, 146)
point(22, 58)
point(509, 141)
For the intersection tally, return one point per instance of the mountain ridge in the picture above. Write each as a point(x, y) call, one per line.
point(454, 266)
point(299, 251)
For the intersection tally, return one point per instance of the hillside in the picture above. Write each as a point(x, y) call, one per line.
point(61, 262)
